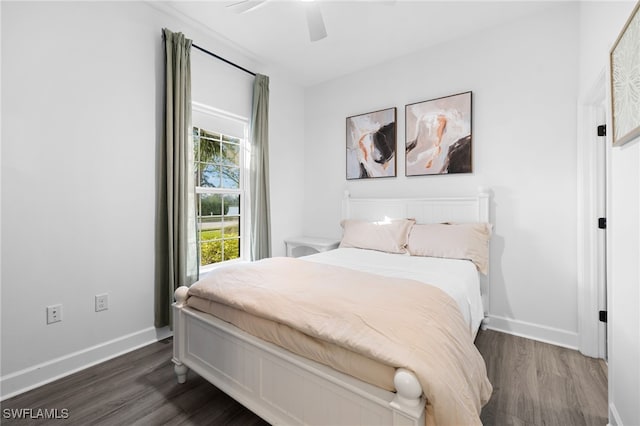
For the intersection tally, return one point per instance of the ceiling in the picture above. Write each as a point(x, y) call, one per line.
point(360, 33)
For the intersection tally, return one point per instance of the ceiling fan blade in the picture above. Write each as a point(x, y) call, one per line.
point(315, 22)
point(243, 6)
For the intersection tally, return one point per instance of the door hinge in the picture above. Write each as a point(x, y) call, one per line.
point(602, 222)
point(603, 316)
point(602, 130)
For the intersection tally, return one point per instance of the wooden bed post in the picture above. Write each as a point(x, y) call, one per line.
point(408, 404)
point(408, 387)
point(483, 204)
point(345, 204)
point(179, 333)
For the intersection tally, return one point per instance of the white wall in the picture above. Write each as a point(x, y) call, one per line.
point(523, 78)
point(600, 24)
point(624, 289)
point(82, 97)
point(286, 162)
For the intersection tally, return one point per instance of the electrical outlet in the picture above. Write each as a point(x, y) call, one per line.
point(102, 302)
point(54, 314)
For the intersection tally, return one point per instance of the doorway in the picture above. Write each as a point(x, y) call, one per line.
point(592, 152)
point(601, 241)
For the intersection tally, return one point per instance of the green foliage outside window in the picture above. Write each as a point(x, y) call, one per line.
point(211, 252)
point(217, 165)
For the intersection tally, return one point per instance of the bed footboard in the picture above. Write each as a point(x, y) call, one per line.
point(281, 387)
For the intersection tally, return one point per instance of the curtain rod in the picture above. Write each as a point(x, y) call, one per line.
point(223, 59)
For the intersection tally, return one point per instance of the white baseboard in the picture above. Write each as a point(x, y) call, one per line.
point(24, 380)
point(541, 333)
point(614, 417)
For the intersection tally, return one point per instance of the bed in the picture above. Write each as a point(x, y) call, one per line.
point(285, 387)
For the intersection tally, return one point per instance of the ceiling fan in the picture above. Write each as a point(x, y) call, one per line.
point(315, 22)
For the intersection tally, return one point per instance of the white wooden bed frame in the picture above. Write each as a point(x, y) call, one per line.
point(286, 389)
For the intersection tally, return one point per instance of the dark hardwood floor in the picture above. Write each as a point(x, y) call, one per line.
point(540, 384)
point(534, 384)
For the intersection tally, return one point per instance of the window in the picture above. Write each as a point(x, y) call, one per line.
point(219, 171)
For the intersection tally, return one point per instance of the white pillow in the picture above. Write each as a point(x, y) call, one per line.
point(468, 241)
point(390, 236)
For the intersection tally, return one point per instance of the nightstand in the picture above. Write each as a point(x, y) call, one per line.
point(301, 246)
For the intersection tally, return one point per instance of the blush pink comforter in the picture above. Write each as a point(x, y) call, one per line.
point(398, 322)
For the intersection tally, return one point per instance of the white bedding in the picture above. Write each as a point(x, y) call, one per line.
point(458, 278)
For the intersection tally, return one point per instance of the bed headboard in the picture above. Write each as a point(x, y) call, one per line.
point(424, 210)
point(474, 208)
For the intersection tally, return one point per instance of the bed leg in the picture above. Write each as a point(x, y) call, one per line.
point(179, 332)
point(181, 371)
point(485, 323)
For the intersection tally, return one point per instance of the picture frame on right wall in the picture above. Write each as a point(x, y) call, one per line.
point(438, 136)
point(625, 81)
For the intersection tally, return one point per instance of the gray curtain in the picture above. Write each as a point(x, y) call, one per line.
point(177, 248)
point(259, 180)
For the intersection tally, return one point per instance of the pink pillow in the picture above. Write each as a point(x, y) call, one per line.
point(468, 241)
point(389, 236)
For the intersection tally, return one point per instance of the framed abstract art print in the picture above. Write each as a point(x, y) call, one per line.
point(438, 136)
point(371, 144)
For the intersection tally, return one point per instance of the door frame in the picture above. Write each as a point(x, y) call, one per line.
point(591, 290)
